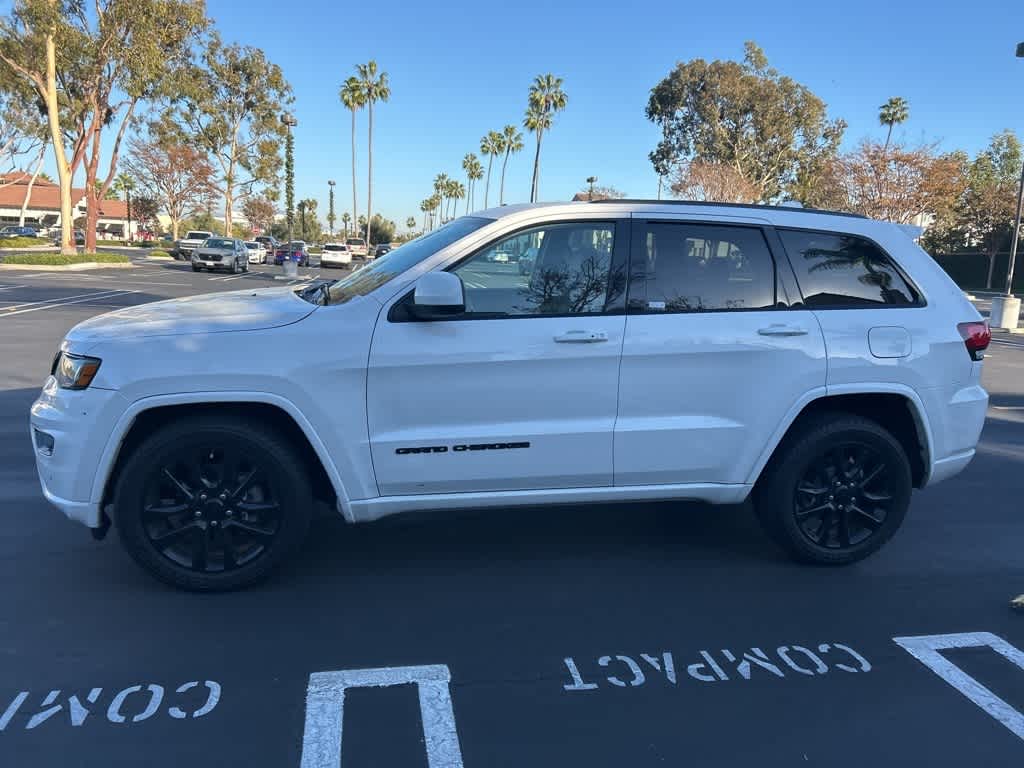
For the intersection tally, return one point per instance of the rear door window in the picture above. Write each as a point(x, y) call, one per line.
point(839, 270)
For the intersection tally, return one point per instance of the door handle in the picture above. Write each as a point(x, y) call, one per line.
point(581, 337)
point(778, 329)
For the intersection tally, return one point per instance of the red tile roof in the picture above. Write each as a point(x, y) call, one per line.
point(46, 196)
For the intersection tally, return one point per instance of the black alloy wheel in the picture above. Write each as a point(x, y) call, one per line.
point(836, 489)
point(211, 509)
point(212, 502)
point(843, 497)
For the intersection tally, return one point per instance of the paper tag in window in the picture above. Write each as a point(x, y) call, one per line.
point(655, 304)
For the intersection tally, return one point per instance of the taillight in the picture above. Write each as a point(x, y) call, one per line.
point(976, 336)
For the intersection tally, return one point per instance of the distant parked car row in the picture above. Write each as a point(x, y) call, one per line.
point(16, 231)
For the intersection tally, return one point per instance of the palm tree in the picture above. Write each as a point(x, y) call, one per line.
point(346, 219)
point(425, 209)
point(125, 183)
point(440, 189)
point(302, 219)
point(513, 143)
point(895, 111)
point(491, 145)
point(376, 88)
point(456, 191)
point(469, 164)
point(410, 223)
point(354, 99)
point(307, 206)
point(545, 99)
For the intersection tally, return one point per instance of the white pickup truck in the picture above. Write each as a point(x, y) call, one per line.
point(820, 363)
point(185, 247)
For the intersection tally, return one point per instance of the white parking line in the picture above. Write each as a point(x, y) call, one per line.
point(10, 287)
point(20, 309)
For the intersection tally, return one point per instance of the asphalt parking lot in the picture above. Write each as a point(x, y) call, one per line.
point(631, 635)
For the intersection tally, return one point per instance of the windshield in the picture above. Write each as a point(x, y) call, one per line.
point(386, 268)
point(332, 247)
point(197, 235)
point(252, 245)
point(217, 242)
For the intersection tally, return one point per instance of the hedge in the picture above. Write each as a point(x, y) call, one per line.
point(969, 270)
point(59, 259)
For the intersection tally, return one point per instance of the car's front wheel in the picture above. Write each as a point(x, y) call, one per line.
point(836, 489)
point(196, 268)
point(212, 503)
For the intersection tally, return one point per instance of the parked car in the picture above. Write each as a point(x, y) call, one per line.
point(77, 234)
point(221, 253)
point(672, 351)
point(295, 250)
point(526, 261)
point(257, 253)
point(185, 247)
point(380, 250)
point(16, 231)
point(335, 255)
point(358, 247)
point(269, 243)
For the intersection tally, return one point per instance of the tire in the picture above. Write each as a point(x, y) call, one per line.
point(235, 266)
point(196, 269)
point(268, 513)
point(245, 266)
point(819, 514)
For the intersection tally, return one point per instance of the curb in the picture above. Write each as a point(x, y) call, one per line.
point(67, 267)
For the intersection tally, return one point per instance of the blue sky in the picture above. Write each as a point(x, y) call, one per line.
point(458, 69)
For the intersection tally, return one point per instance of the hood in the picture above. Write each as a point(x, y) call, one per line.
point(210, 313)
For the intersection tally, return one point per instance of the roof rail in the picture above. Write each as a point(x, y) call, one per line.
point(745, 206)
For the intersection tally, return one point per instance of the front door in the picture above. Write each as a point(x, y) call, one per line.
point(714, 356)
point(520, 391)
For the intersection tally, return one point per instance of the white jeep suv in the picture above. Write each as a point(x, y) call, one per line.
point(821, 363)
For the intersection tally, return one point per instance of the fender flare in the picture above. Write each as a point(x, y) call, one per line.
point(917, 412)
point(114, 442)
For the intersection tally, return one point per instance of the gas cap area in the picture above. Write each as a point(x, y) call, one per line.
point(889, 341)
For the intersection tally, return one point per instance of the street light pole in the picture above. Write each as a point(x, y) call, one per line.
point(290, 122)
point(330, 207)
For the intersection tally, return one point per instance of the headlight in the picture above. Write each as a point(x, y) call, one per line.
point(75, 371)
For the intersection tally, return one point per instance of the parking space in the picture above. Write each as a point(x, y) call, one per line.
point(630, 635)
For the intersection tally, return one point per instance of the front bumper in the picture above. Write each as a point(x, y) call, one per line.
point(78, 422)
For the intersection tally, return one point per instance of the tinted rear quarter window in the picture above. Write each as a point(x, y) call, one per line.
point(839, 270)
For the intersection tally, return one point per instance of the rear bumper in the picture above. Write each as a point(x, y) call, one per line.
point(956, 423)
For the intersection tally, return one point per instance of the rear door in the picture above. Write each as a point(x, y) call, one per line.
point(714, 356)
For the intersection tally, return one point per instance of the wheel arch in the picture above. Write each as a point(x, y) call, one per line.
point(149, 413)
point(896, 407)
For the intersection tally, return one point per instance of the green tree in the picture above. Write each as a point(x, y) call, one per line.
point(310, 229)
point(474, 172)
point(455, 190)
point(491, 145)
point(894, 112)
point(546, 98)
point(113, 57)
point(410, 223)
point(425, 208)
point(745, 115)
point(144, 211)
point(383, 230)
point(513, 144)
point(346, 220)
point(375, 88)
point(125, 185)
point(354, 99)
point(441, 182)
point(231, 107)
point(985, 212)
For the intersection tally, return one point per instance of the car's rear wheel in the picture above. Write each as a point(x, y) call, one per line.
point(836, 490)
point(212, 504)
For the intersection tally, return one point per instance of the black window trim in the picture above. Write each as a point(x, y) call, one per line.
point(920, 303)
point(782, 300)
point(620, 257)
